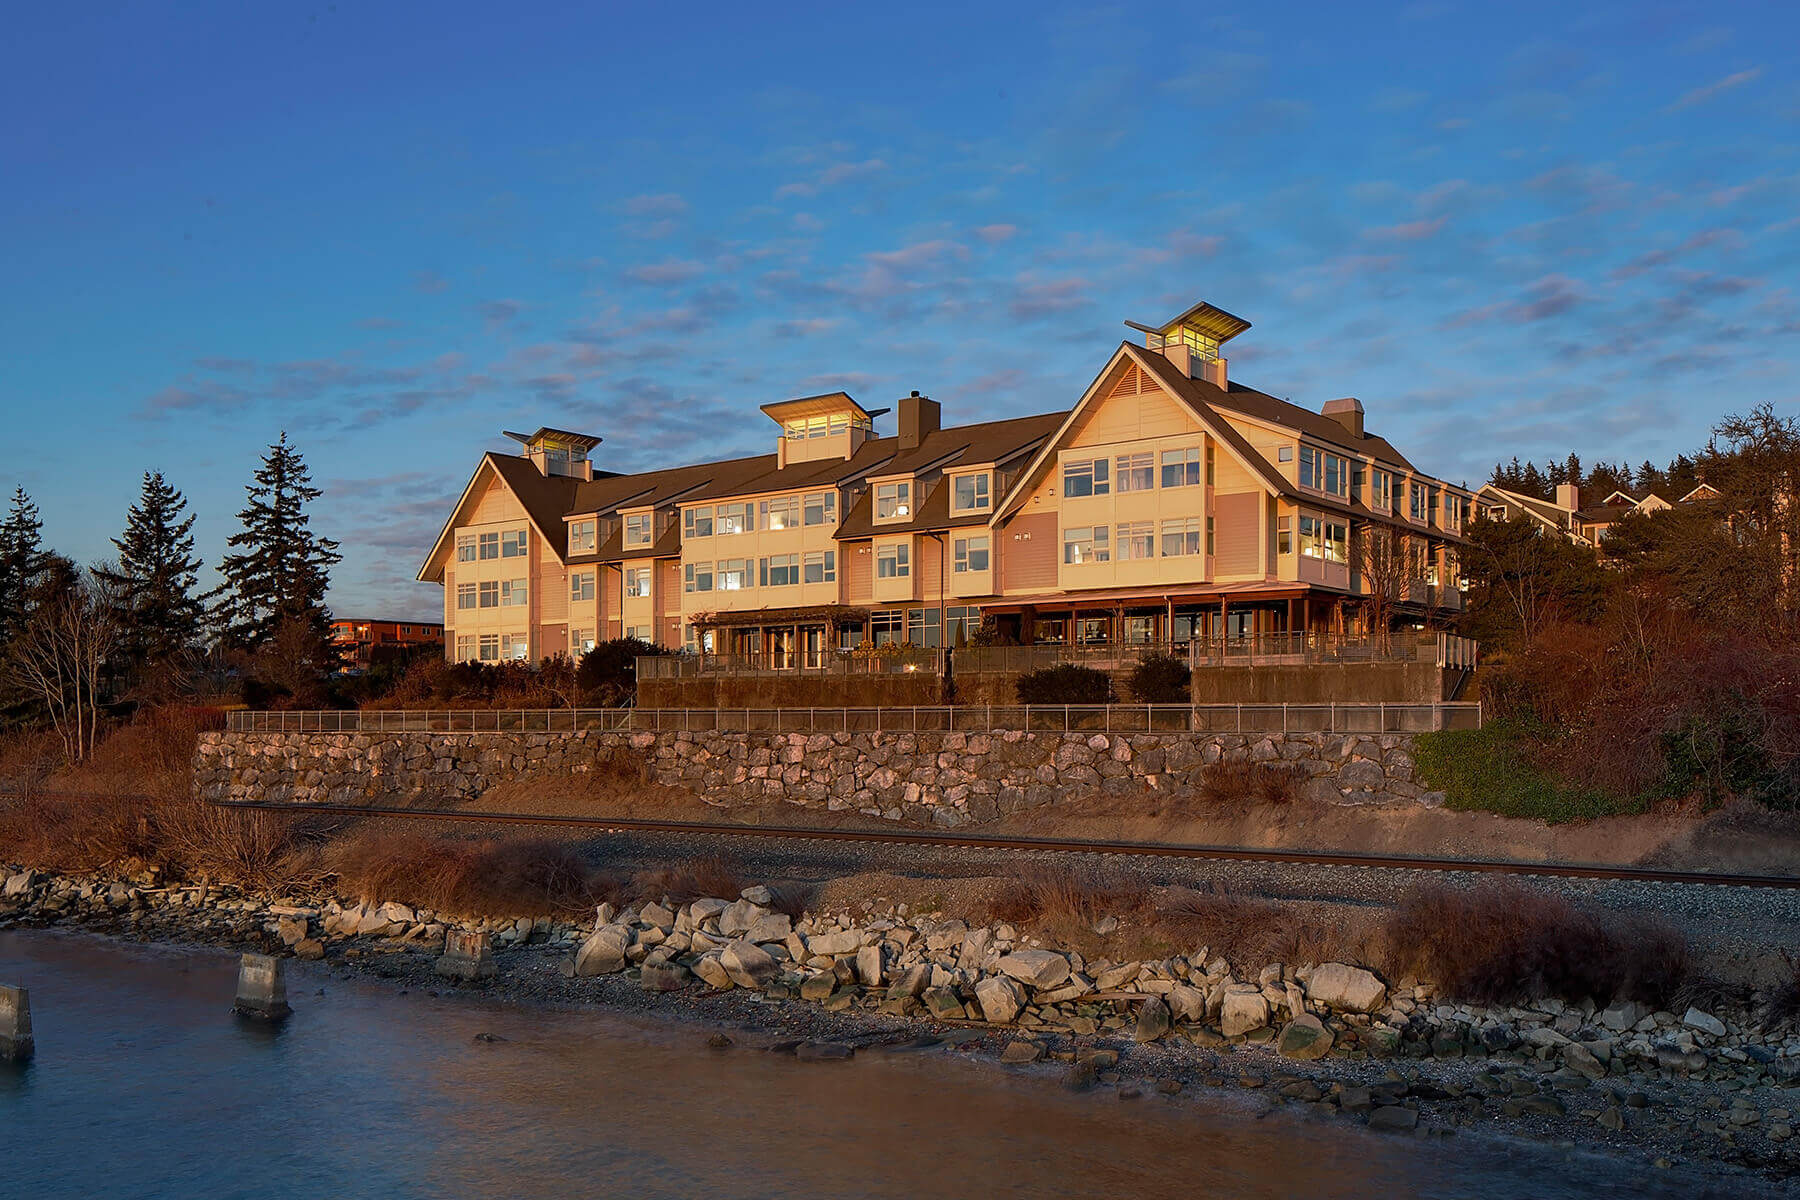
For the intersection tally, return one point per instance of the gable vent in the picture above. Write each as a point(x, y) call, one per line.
point(1134, 382)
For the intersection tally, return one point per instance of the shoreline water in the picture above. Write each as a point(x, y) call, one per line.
point(1452, 1098)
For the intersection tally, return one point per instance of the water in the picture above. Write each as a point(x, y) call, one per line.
point(145, 1086)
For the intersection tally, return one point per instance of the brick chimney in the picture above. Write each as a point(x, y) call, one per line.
point(1568, 495)
point(920, 417)
point(1347, 412)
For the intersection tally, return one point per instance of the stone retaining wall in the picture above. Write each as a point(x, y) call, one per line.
point(946, 779)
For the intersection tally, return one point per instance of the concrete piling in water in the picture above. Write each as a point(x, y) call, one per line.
point(16, 1044)
point(261, 988)
point(467, 956)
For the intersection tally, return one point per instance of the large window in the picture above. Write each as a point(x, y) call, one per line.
point(515, 646)
point(821, 508)
point(922, 627)
point(581, 585)
point(969, 493)
point(581, 537)
point(512, 593)
point(465, 595)
point(971, 554)
point(697, 522)
point(465, 647)
point(637, 581)
point(580, 641)
point(490, 547)
point(490, 594)
point(780, 570)
point(1136, 540)
point(1328, 540)
point(1087, 477)
point(512, 544)
point(1381, 490)
point(783, 512)
point(804, 428)
point(1418, 503)
point(465, 547)
point(639, 529)
point(1181, 468)
point(736, 518)
point(893, 501)
point(887, 628)
point(1089, 544)
point(490, 647)
point(960, 620)
point(1323, 471)
point(697, 577)
point(1181, 537)
point(893, 562)
point(1135, 472)
point(819, 567)
point(733, 575)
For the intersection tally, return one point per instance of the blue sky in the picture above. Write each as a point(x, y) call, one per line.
point(394, 230)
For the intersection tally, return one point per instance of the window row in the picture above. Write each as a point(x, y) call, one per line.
point(492, 647)
point(493, 593)
point(806, 428)
point(478, 547)
point(782, 512)
point(1180, 538)
point(777, 570)
point(1140, 472)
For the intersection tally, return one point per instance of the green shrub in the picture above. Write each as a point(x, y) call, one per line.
point(1066, 683)
point(1493, 769)
point(1160, 679)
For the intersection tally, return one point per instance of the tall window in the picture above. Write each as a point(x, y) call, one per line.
point(697, 577)
point(969, 493)
point(1181, 468)
point(1323, 471)
point(465, 547)
point(1212, 472)
point(1328, 540)
point(1416, 501)
point(783, 512)
point(515, 646)
point(1136, 540)
point(733, 575)
point(490, 594)
point(490, 647)
point(1381, 490)
point(465, 647)
point(893, 562)
point(1181, 537)
point(819, 567)
point(971, 554)
point(735, 518)
point(490, 546)
point(821, 508)
point(638, 529)
point(637, 581)
point(1284, 535)
point(1091, 544)
point(581, 585)
point(581, 537)
point(922, 627)
point(697, 522)
point(887, 628)
point(1212, 543)
point(512, 593)
point(1087, 477)
point(780, 570)
point(512, 544)
point(1135, 472)
point(465, 595)
point(893, 500)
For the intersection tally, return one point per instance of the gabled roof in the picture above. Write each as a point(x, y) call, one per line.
point(1545, 511)
point(1704, 491)
point(545, 498)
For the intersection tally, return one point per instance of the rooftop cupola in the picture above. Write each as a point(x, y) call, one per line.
point(558, 451)
point(1192, 340)
point(820, 427)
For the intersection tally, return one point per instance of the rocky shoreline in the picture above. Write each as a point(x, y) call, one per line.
point(1329, 1040)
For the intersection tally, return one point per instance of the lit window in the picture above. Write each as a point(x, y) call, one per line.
point(581, 585)
point(1181, 537)
point(1181, 468)
point(1323, 471)
point(783, 512)
point(821, 508)
point(1136, 540)
point(736, 518)
point(638, 530)
point(733, 575)
point(697, 577)
point(820, 567)
point(893, 501)
point(1089, 477)
point(581, 537)
point(515, 646)
point(465, 647)
point(465, 597)
point(697, 523)
point(580, 641)
point(1135, 472)
point(971, 493)
point(512, 544)
point(1328, 540)
point(1087, 545)
point(465, 547)
point(971, 554)
point(893, 562)
point(637, 581)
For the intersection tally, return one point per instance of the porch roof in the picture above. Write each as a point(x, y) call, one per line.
point(1162, 596)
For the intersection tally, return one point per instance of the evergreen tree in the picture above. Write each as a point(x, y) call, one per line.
point(22, 559)
point(154, 582)
point(279, 568)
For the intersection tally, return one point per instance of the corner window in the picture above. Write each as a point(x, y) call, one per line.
point(893, 501)
point(1089, 477)
point(970, 493)
point(1091, 544)
point(893, 562)
point(971, 554)
point(581, 537)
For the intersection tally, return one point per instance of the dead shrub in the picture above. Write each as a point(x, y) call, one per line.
point(1781, 1007)
point(1240, 781)
point(1248, 932)
point(713, 877)
point(469, 877)
point(1500, 943)
point(1066, 898)
point(77, 833)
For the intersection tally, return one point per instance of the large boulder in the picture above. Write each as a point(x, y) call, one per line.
point(1000, 998)
point(738, 917)
point(1243, 1010)
point(1304, 1038)
point(712, 970)
point(1187, 1003)
point(1345, 988)
point(748, 964)
point(1152, 1021)
point(1038, 968)
point(604, 951)
point(838, 942)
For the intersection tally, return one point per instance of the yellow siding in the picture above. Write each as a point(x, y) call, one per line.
point(1236, 538)
point(1033, 549)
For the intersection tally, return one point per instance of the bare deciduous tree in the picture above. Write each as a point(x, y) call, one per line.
point(1392, 565)
point(60, 658)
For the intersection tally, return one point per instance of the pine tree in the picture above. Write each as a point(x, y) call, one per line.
point(155, 580)
point(279, 568)
point(22, 559)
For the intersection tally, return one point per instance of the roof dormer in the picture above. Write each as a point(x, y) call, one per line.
point(1192, 340)
point(821, 427)
point(558, 451)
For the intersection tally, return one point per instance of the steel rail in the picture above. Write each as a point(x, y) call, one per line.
point(1054, 845)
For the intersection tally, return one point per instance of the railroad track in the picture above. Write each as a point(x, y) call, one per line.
point(930, 839)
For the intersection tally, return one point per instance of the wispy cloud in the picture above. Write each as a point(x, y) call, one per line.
point(833, 175)
point(1701, 95)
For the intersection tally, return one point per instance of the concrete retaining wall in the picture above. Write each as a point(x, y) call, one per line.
point(946, 779)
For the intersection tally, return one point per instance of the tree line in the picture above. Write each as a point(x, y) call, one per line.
point(78, 642)
point(1602, 479)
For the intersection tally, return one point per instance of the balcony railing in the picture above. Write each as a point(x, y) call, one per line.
point(892, 660)
point(1271, 649)
point(973, 718)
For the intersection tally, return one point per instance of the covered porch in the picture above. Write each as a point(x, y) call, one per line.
point(1180, 622)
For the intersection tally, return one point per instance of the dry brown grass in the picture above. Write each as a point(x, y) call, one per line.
point(1251, 932)
point(715, 877)
point(1781, 1007)
point(1240, 781)
point(1061, 899)
point(472, 877)
point(1502, 943)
